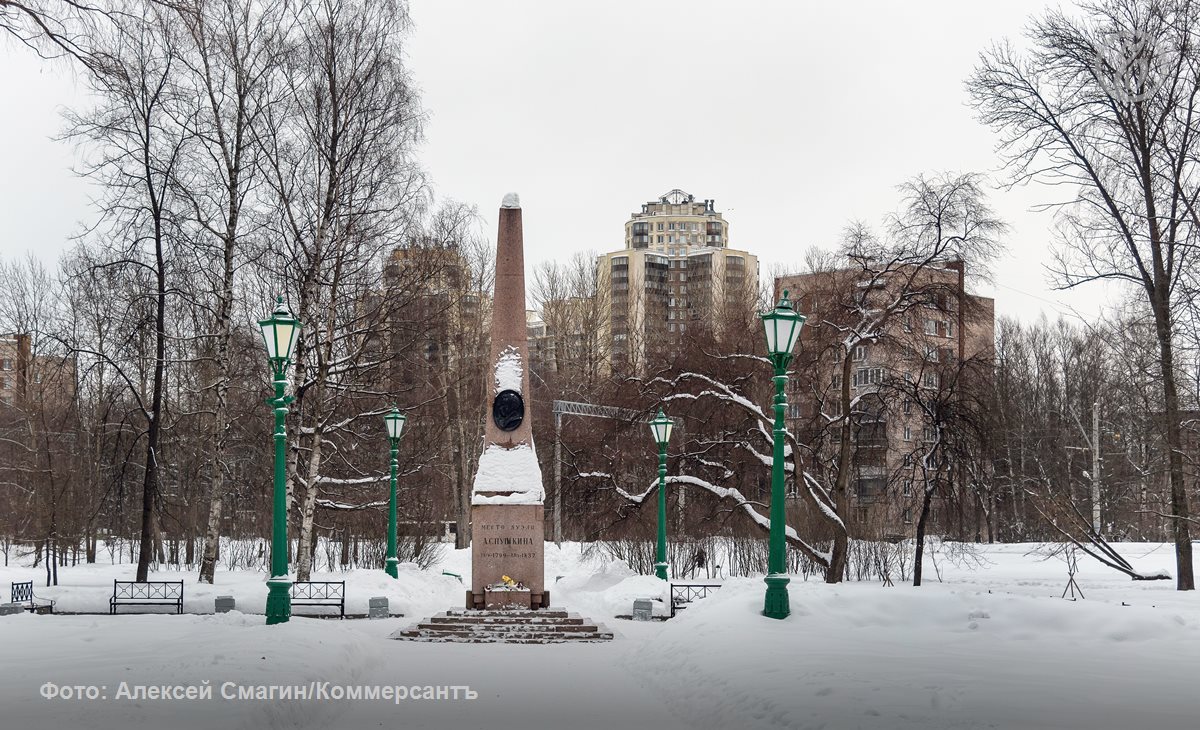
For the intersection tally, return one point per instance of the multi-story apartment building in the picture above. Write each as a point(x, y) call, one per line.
point(30, 378)
point(431, 302)
point(676, 272)
point(940, 329)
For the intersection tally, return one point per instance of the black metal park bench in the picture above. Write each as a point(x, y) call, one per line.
point(22, 593)
point(684, 593)
point(320, 593)
point(150, 593)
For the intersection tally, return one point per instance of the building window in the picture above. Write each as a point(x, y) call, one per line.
point(931, 380)
point(37, 378)
point(837, 355)
point(931, 353)
point(908, 459)
point(660, 227)
point(908, 433)
point(907, 324)
point(929, 434)
point(5, 364)
point(862, 514)
point(836, 381)
point(906, 489)
point(908, 516)
point(931, 327)
point(868, 376)
point(870, 487)
point(907, 405)
point(949, 326)
point(860, 353)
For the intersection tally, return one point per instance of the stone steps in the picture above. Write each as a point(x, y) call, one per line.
point(549, 626)
point(442, 618)
point(506, 627)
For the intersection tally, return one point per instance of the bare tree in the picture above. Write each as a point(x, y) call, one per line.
point(918, 265)
point(339, 157)
point(54, 28)
point(1104, 105)
point(136, 145)
point(232, 49)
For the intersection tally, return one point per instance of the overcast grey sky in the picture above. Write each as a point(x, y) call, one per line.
point(795, 116)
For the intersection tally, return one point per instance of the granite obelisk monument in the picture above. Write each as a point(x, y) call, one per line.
point(507, 537)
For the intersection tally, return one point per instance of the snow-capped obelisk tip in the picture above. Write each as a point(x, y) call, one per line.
point(507, 537)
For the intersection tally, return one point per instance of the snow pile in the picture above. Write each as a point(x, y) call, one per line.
point(508, 476)
point(509, 371)
point(609, 590)
point(511, 200)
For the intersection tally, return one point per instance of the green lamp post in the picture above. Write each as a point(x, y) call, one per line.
point(661, 428)
point(395, 425)
point(782, 326)
point(279, 333)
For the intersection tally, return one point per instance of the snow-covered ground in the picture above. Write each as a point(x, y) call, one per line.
point(992, 646)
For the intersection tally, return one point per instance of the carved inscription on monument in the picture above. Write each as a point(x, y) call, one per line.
point(507, 541)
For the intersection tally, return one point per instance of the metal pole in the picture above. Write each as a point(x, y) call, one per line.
point(776, 605)
point(1096, 525)
point(390, 563)
point(279, 586)
point(558, 479)
point(660, 567)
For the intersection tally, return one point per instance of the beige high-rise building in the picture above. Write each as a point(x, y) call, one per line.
point(676, 272)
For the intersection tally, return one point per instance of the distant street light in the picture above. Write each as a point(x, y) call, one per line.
point(395, 425)
point(782, 326)
point(279, 334)
point(661, 428)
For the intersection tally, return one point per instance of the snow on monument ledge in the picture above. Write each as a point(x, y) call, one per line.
point(514, 473)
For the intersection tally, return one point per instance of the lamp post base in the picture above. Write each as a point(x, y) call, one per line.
point(777, 605)
point(279, 601)
point(660, 569)
point(389, 567)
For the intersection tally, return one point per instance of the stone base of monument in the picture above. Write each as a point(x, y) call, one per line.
point(506, 626)
point(507, 541)
point(504, 599)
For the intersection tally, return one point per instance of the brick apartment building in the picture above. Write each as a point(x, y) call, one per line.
point(918, 346)
point(29, 378)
